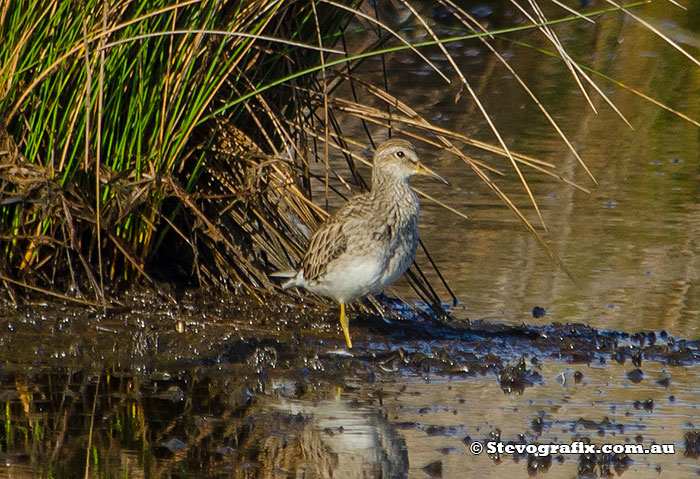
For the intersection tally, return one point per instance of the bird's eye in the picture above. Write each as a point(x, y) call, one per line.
point(400, 154)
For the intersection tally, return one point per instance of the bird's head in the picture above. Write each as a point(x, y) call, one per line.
point(399, 159)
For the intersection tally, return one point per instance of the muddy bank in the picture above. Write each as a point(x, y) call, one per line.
point(203, 330)
point(227, 387)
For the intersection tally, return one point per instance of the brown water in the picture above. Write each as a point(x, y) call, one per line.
point(632, 243)
point(245, 391)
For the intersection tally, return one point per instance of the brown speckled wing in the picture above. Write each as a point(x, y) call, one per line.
point(327, 243)
point(331, 239)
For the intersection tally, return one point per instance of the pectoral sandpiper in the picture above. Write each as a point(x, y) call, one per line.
point(370, 242)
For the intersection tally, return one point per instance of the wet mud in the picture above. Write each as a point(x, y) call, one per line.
point(227, 387)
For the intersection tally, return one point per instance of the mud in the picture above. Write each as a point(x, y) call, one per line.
point(281, 334)
point(229, 387)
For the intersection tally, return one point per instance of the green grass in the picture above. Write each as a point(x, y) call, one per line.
point(111, 111)
point(172, 141)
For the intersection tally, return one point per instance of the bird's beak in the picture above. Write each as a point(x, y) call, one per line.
point(424, 170)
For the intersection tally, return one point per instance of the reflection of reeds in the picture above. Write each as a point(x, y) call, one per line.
point(177, 141)
point(203, 422)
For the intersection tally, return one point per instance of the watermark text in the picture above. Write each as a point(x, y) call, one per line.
point(576, 447)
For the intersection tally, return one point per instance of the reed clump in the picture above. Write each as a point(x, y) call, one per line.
point(143, 139)
point(178, 140)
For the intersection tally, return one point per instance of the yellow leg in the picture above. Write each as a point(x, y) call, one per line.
point(344, 323)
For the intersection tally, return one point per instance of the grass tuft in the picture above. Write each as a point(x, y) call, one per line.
point(177, 141)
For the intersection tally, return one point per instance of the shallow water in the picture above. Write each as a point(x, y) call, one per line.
point(226, 388)
point(249, 391)
point(632, 243)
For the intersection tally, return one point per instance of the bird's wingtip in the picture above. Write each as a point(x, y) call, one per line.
point(284, 274)
point(292, 275)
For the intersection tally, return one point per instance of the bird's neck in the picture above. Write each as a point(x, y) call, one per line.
point(394, 192)
point(387, 183)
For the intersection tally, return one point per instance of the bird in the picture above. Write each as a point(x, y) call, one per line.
point(371, 240)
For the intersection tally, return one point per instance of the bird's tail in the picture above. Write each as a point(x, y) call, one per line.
point(292, 275)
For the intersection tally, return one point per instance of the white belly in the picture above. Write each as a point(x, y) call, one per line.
point(352, 276)
point(349, 278)
point(380, 248)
